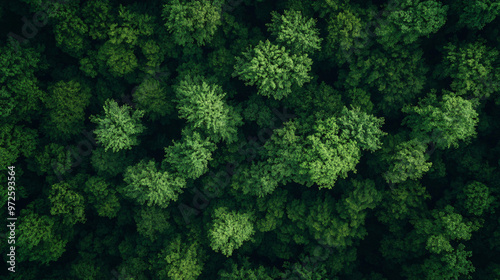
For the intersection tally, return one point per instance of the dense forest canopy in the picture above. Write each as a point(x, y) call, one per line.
point(250, 139)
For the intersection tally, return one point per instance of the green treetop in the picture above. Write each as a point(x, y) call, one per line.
point(472, 68)
point(444, 122)
point(66, 105)
point(182, 259)
point(229, 230)
point(146, 184)
point(410, 20)
point(191, 155)
point(67, 203)
point(192, 21)
point(476, 14)
point(118, 128)
point(295, 32)
point(38, 239)
point(273, 69)
point(202, 104)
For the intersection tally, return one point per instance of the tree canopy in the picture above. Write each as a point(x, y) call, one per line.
point(250, 139)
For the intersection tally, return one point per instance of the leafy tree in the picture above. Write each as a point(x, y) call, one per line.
point(116, 56)
point(117, 129)
point(20, 92)
point(476, 14)
point(71, 32)
point(190, 157)
point(257, 179)
point(66, 108)
point(273, 69)
point(327, 155)
point(403, 201)
point(130, 26)
point(295, 32)
point(117, 59)
point(192, 21)
point(411, 20)
point(16, 141)
point(435, 239)
point(446, 262)
point(145, 183)
point(182, 261)
point(98, 17)
point(471, 67)
point(337, 222)
point(452, 119)
point(363, 128)
point(322, 152)
point(345, 36)
point(67, 203)
point(54, 159)
point(38, 240)
point(229, 230)
point(397, 76)
point(408, 162)
point(273, 210)
point(202, 104)
point(476, 198)
point(451, 265)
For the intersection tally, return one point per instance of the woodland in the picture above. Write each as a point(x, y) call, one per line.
point(250, 139)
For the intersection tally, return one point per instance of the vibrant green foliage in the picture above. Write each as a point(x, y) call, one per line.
point(363, 128)
point(190, 157)
point(239, 139)
point(145, 183)
point(325, 151)
point(117, 129)
point(273, 69)
point(471, 68)
point(345, 36)
point(451, 120)
point(181, 261)
point(37, 240)
point(408, 162)
point(67, 203)
point(229, 230)
point(411, 20)
point(202, 104)
point(192, 21)
point(295, 32)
